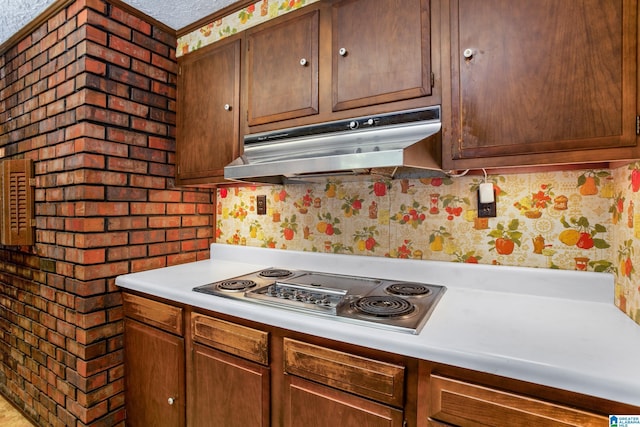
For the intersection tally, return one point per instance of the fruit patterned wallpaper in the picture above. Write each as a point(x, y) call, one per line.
point(573, 220)
point(252, 15)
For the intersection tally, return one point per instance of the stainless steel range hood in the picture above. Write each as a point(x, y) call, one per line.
point(401, 144)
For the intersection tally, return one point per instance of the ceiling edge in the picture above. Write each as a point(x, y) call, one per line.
point(61, 4)
point(35, 23)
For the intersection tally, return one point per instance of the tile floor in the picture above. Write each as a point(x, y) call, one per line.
point(10, 416)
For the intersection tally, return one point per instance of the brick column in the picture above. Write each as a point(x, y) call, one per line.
point(89, 95)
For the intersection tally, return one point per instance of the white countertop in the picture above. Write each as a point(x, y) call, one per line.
point(551, 327)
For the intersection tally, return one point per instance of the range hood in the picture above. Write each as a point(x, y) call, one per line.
point(400, 144)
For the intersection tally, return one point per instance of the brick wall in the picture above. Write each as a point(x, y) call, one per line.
point(89, 95)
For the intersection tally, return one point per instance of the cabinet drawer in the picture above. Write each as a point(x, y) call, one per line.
point(464, 404)
point(160, 315)
point(241, 341)
point(380, 381)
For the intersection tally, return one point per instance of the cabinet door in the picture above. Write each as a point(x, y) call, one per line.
point(154, 373)
point(548, 81)
point(380, 51)
point(227, 391)
point(208, 133)
point(283, 69)
point(311, 404)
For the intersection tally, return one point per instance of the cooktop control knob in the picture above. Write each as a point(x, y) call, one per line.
point(353, 124)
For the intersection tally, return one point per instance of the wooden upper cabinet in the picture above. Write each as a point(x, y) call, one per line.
point(381, 51)
point(550, 81)
point(282, 62)
point(208, 131)
point(339, 59)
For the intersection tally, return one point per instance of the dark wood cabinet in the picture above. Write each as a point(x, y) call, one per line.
point(540, 82)
point(338, 59)
point(282, 59)
point(241, 373)
point(229, 377)
point(381, 52)
point(323, 386)
point(154, 360)
point(227, 391)
point(208, 107)
point(311, 404)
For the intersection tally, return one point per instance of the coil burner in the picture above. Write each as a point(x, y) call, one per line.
point(408, 289)
point(275, 273)
point(236, 285)
point(383, 306)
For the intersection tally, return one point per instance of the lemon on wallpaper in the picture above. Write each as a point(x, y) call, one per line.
point(569, 237)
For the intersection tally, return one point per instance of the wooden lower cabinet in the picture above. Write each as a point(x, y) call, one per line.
point(227, 391)
point(154, 376)
point(465, 404)
point(311, 404)
point(203, 369)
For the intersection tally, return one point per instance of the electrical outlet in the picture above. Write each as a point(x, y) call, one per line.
point(261, 204)
point(487, 210)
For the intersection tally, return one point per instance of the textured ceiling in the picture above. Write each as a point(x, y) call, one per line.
point(177, 14)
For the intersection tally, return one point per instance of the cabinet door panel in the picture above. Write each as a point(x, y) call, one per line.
point(283, 70)
point(549, 76)
point(311, 404)
point(387, 51)
point(227, 391)
point(208, 111)
point(154, 372)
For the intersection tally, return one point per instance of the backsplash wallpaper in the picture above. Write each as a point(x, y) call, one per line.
point(252, 15)
point(572, 220)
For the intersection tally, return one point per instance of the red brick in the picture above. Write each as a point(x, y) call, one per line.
point(147, 154)
point(164, 222)
point(91, 272)
point(84, 160)
point(163, 248)
point(88, 112)
point(162, 143)
point(126, 253)
point(148, 264)
point(24, 44)
point(65, 89)
point(126, 223)
point(129, 49)
point(106, 54)
point(126, 194)
point(127, 77)
point(85, 257)
point(165, 196)
point(102, 147)
point(87, 415)
point(149, 71)
point(148, 126)
point(148, 208)
point(102, 209)
point(127, 106)
point(130, 20)
point(85, 224)
point(128, 137)
point(85, 129)
point(127, 165)
point(95, 19)
point(151, 44)
point(98, 240)
point(146, 237)
point(181, 209)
